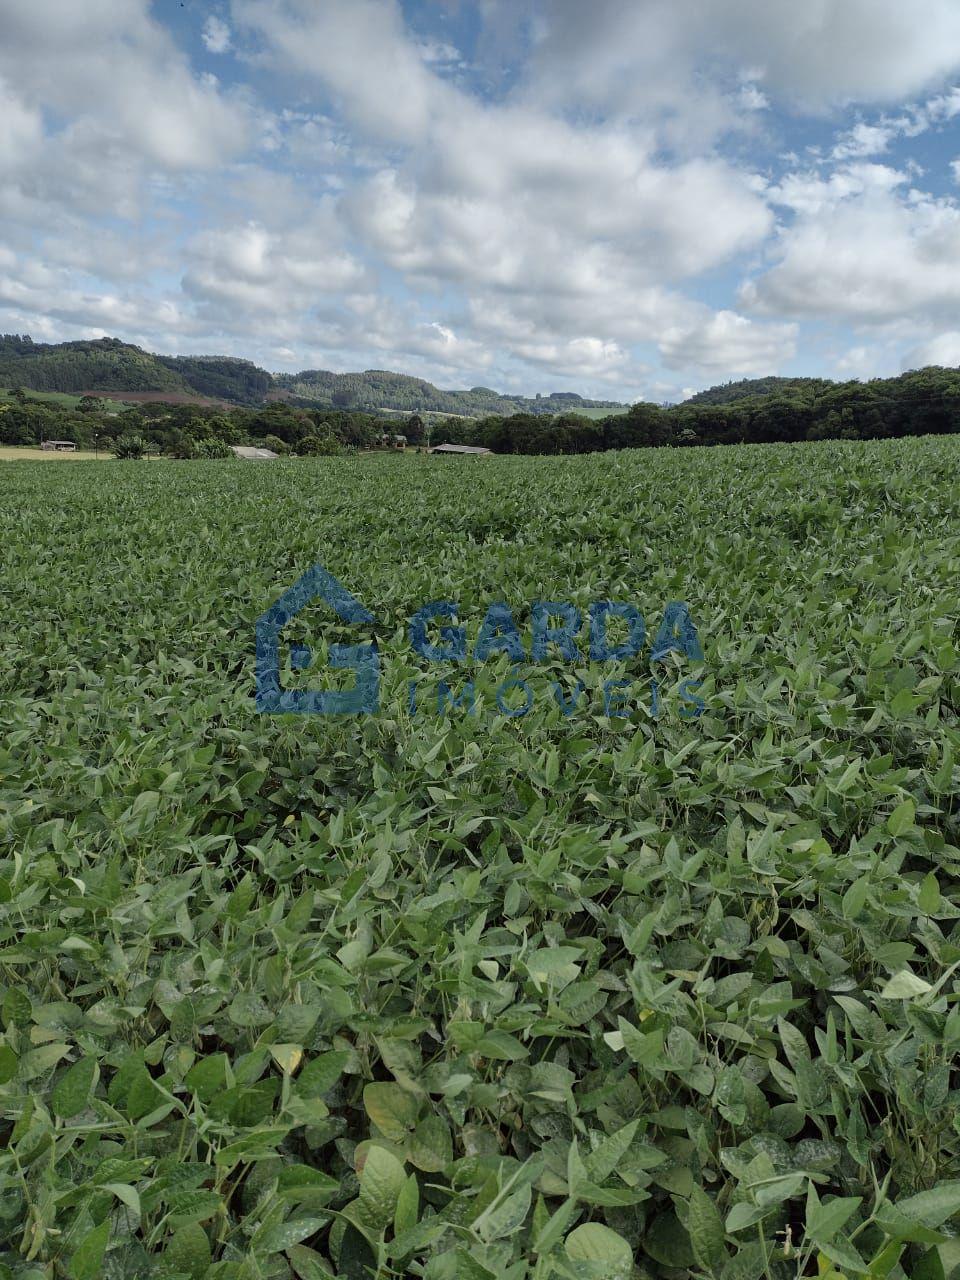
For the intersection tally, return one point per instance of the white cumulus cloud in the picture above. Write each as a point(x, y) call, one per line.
point(216, 34)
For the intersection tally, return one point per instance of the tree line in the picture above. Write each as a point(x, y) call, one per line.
point(925, 402)
point(188, 430)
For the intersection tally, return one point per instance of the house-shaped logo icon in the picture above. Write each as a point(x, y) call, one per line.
point(316, 584)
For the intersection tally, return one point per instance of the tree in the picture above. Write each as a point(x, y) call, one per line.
point(212, 448)
point(129, 447)
point(179, 445)
point(414, 430)
point(318, 445)
point(31, 422)
point(129, 421)
point(222, 427)
point(196, 427)
point(90, 404)
point(282, 421)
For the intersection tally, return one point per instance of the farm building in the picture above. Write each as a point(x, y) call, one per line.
point(469, 449)
point(251, 451)
point(59, 446)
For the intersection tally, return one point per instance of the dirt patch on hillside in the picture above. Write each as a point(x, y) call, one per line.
point(161, 397)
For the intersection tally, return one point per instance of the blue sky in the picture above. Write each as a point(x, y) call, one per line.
point(631, 198)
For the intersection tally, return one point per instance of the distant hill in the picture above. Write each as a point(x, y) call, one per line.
point(379, 389)
point(749, 388)
point(105, 365)
point(119, 370)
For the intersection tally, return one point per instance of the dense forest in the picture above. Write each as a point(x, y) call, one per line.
point(751, 388)
point(221, 376)
point(104, 364)
point(925, 402)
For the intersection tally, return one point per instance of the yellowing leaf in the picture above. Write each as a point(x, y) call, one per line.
point(287, 1056)
point(392, 1109)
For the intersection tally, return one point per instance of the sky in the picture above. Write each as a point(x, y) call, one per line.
point(632, 199)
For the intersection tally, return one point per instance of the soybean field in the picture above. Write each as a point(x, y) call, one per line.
point(555, 964)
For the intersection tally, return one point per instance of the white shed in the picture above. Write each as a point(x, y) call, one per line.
point(251, 451)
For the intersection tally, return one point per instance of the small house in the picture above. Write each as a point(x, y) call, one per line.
point(467, 450)
point(59, 446)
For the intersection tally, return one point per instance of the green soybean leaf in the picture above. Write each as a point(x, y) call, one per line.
point(408, 1206)
point(87, 1260)
point(593, 1242)
point(189, 1251)
point(932, 1208)
point(8, 1063)
point(72, 1091)
point(928, 899)
point(506, 1217)
point(901, 819)
point(381, 1184)
point(705, 1228)
point(904, 986)
point(284, 1235)
point(826, 1220)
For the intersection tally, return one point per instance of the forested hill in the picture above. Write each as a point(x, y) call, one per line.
point(223, 376)
point(749, 388)
point(108, 364)
point(378, 389)
point(111, 365)
point(105, 364)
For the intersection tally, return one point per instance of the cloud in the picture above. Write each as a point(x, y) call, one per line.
point(42, 293)
point(578, 191)
point(506, 200)
point(594, 358)
point(809, 193)
point(360, 51)
point(813, 56)
point(863, 140)
point(118, 80)
point(439, 52)
point(864, 361)
point(872, 139)
point(21, 131)
point(752, 99)
point(216, 34)
point(552, 211)
point(864, 247)
point(727, 343)
point(944, 349)
point(262, 274)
